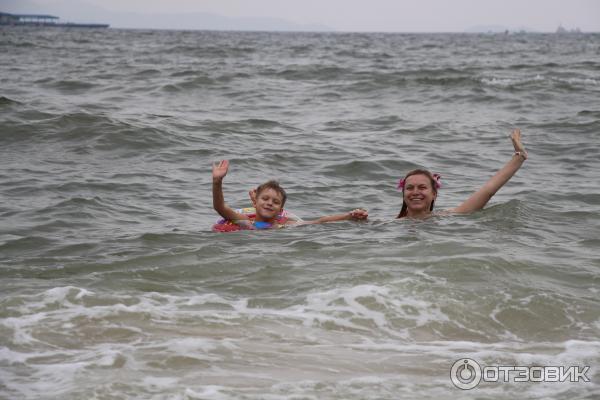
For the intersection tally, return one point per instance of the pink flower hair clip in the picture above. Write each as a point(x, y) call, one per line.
point(438, 180)
point(401, 183)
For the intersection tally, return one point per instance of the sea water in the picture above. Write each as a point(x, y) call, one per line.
point(113, 286)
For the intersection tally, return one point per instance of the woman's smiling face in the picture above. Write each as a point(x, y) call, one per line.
point(418, 193)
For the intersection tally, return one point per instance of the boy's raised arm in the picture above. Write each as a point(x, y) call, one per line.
point(219, 171)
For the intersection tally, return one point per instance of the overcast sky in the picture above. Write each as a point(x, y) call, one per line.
point(382, 15)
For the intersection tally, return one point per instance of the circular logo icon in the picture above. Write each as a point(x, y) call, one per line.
point(465, 373)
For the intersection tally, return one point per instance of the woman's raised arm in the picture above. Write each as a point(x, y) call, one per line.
point(480, 198)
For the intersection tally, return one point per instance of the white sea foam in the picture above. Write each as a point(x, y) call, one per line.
point(583, 81)
point(312, 344)
point(61, 295)
point(206, 392)
point(514, 81)
point(156, 382)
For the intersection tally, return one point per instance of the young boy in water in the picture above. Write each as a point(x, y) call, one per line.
point(269, 200)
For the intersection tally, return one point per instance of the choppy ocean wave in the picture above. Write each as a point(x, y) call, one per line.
point(113, 285)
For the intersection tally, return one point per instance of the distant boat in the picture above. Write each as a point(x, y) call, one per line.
point(41, 20)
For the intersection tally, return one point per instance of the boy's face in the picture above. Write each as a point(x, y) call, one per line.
point(268, 204)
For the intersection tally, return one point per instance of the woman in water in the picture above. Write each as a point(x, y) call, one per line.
point(420, 187)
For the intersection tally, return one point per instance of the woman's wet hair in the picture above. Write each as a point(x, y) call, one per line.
point(272, 184)
point(432, 181)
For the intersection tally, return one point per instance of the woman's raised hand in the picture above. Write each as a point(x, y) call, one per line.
point(219, 170)
point(515, 136)
point(359, 214)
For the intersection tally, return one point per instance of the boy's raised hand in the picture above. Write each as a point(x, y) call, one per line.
point(252, 194)
point(220, 170)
